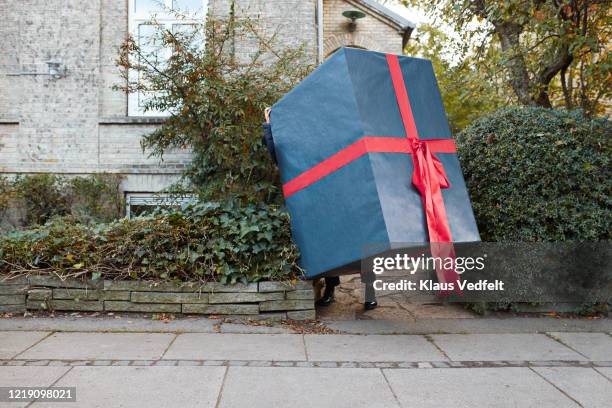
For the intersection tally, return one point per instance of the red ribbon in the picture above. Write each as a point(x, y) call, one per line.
point(429, 176)
point(365, 145)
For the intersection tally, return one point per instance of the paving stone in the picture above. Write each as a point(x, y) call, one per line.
point(40, 294)
point(284, 286)
point(248, 328)
point(28, 377)
point(142, 363)
point(13, 289)
point(585, 385)
point(37, 304)
point(141, 286)
point(275, 305)
point(77, 305)
point(16, 363)
point(605, 371)
point(121, 306)
point(231, 346)
point(238, 287)
point(115, 295)
point(301, 294)
point(270, 316)
point(165, 297)
point(296, 387)
point(260, 364)
point(58, 363)
point(213, 363)
point(144, 386)
point(596, 346)
point(241, 297)
point(14, 342)
point(302, 315)
point(81, 294)
point(12, 299)
point(19, 280)
point(221, 309)
point(372, 348)
point(507, 346)
point(37, 363)
point(101, 346)
point(144, 286)
point(168, 363)
point(13, 308)
point(55, 282)
point(474, 387)
point(190, 363)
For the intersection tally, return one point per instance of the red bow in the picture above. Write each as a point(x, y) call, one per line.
point(429, 178)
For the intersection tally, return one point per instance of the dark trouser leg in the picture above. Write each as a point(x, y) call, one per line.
point(332, 281)
point(368, 279)
point(328, 295)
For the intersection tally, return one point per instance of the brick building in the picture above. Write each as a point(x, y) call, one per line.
point(75, 124)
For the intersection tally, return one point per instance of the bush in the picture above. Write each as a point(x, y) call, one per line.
point(39, 197)
point(97, 197)
point(201, 242)
point(42, 197)
point(536, 174)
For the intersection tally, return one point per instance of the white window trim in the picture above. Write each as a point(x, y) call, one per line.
point(156, 200)
point(167, 20)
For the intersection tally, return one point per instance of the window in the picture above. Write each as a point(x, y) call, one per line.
point(139, 203)
point(173, 15)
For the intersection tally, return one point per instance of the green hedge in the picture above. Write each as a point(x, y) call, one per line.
point(39, 197)
point(201, 242)
point(537, 174)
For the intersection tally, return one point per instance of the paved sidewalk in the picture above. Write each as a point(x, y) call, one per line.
point(557, 369)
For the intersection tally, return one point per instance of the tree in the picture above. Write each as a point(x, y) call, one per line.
point(466, 95)
point(554, 52)
point(216, 100)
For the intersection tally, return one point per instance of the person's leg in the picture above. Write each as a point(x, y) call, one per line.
point(328, 295)
point(370, 294)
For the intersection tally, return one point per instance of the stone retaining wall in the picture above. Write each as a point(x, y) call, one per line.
point(263, 300)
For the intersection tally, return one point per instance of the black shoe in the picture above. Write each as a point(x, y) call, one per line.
point(370, 305)
point(327, 298)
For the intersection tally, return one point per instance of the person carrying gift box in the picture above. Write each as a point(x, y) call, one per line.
point(367, 159)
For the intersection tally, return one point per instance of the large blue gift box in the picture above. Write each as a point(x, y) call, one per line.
point(367, 160)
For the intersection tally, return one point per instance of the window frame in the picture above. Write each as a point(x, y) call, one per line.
point(135, 20)
point(141, 199)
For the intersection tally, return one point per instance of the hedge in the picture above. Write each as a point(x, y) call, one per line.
point(537, 174)
point(227, 243)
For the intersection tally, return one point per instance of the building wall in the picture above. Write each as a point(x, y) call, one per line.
point(78, 124)
point(373, 32)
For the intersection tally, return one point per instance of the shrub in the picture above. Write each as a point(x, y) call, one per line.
point(97, 197)
point(6, 195)
point(536, 174)
point(42, 196)
point(202, 242)
point(39, 197)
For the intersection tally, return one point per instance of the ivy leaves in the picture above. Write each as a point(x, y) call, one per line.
point(207, 241)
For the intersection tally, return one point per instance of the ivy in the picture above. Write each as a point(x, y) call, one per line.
point(208, 241)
